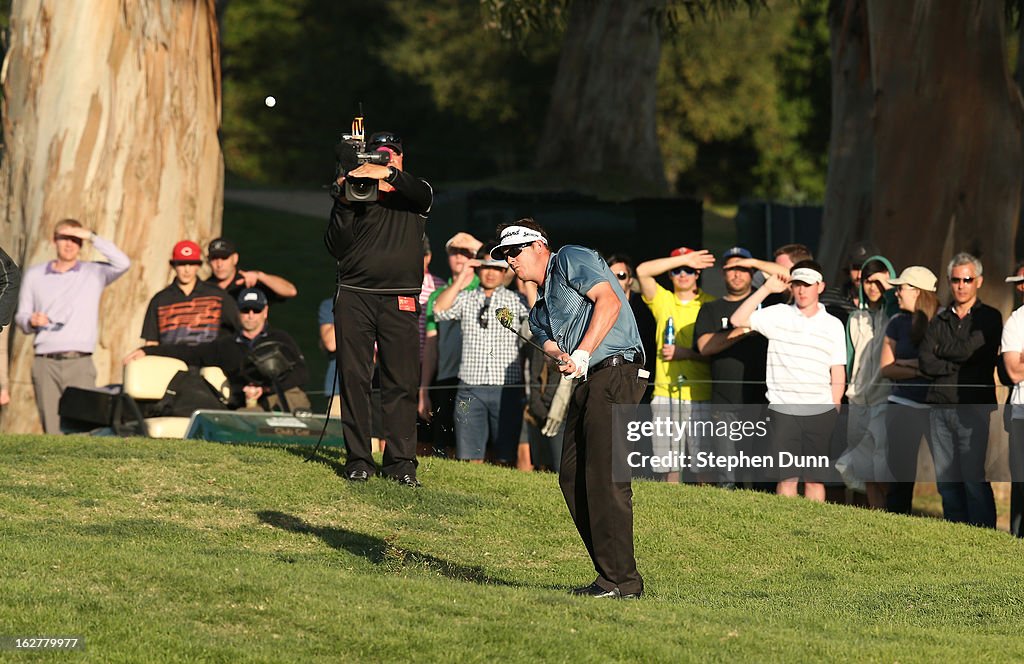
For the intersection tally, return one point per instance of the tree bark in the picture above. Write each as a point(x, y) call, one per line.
point(948, 137)
point(601, 118)
point(111, 111)
point(945, 137)
point(851, 160)
point(1018, 76)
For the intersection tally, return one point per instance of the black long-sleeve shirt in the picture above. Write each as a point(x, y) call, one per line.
point(961, 354)
point(10, 281)
point(379, 245)
point(229, 352)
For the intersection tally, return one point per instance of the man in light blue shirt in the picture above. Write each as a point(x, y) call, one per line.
point(582, 319)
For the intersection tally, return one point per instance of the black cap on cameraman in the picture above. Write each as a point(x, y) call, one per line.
point(386, 139)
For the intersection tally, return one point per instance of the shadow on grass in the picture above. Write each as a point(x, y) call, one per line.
point(384, 552)
point(448, 502)
point(326, 456)
point(331, 457)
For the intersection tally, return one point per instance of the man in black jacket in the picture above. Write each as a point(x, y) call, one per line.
point(379, 247)
point(959, 351)
point(10, 280)
point(250, 387)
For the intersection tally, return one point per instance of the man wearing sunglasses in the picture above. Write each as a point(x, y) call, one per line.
point(959, 351)
point(581, 318)
point(59, 303)
point(442, 349)
point(379, 249)
point(738, 358)
point(489, 402)
point(682, 377)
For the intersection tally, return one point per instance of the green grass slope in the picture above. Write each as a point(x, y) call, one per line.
point(191, 551)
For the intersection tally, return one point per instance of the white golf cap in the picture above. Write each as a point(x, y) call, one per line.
point(513, 236)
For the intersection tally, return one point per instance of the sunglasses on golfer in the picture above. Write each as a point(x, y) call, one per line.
point(515, 250)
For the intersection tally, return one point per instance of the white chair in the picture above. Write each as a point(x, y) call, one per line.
point(145, 381)
point(215, 376)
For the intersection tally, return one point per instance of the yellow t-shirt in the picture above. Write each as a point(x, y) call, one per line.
point(688, 380)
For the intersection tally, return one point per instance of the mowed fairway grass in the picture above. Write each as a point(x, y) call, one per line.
point(190, 551)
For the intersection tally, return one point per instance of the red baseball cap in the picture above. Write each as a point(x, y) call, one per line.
point(681, 251)
point(187, 252)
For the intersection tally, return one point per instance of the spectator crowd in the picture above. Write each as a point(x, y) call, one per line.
point(910, 369)
point(872, 373)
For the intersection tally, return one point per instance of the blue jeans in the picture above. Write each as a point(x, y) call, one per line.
point(959, 443)
point(488, 415)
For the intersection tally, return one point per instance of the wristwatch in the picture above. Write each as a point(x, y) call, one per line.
point(392, 174)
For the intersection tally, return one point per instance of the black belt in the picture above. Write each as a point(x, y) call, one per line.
point(614, 361)
point(70, 355)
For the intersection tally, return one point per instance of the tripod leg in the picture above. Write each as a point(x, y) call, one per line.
point(281, 398)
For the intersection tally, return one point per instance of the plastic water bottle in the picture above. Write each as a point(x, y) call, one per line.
point(670, 332)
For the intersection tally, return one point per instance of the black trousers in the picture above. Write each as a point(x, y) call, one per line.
point(442, 398)
point(905, 426)
point(360, 319)
point(601, 508)
point(1016, 477)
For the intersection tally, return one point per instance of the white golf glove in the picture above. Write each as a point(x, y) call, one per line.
point(559, 406)
point(581, 359)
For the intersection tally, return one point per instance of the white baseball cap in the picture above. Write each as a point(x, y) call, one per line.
point(918, 277)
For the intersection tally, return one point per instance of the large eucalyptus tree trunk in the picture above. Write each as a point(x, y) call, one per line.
point(946, 135)
point(851, 158)
point(601, 118)
point(111, 111)
point(1018, 76)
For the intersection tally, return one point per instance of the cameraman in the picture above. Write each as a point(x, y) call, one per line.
point(379, 248)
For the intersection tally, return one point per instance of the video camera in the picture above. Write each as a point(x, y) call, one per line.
point(350, 153)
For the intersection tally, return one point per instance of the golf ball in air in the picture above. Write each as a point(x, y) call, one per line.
point(270, 102)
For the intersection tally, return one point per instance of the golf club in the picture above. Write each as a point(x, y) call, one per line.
point(506, 318)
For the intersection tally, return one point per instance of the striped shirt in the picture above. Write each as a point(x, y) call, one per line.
point(490, 352)
point(801, 354)
point(430, 284)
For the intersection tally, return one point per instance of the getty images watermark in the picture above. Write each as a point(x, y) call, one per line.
point(817, 443)
point(703, 440)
